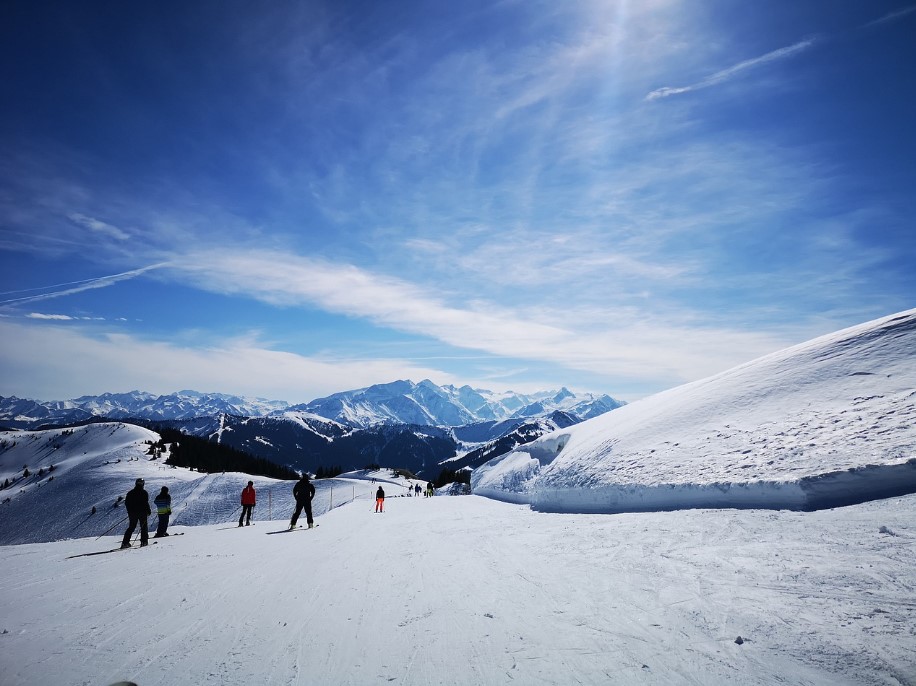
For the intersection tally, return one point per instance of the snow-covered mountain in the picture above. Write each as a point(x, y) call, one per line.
point(412, 426)
point(29, 414)
point(501, 437)
point(399, 402)
point(825, 423)
point(425, 403)
point(306, 441)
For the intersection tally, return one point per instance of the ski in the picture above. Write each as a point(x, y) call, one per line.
point(299, 527)
point(113, 550)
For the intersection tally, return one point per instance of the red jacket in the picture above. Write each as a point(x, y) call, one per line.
point(248, 495)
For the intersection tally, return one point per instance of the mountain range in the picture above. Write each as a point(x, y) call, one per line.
point(416, 426)
point(398, 402)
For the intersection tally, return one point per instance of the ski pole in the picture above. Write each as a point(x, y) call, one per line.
point(232, 516)
point(112, 527)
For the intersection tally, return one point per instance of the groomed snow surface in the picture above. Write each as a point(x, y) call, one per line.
point(466, 590)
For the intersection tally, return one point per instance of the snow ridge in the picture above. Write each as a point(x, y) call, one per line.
point(825, 423)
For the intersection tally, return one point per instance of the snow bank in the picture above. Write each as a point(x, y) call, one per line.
point(826, 423)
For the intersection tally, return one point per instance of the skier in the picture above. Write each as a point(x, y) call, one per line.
point(429, 489)
point(163, 503)
point(380, 500)
point(248, 501)
point(137, 504)
point(303, 491)
point(417, 490)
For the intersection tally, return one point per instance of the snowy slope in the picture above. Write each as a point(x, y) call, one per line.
point(448, 590)
point(95, 464)
point(468, 591)
point(828, 422)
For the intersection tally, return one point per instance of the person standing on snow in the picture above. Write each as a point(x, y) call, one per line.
point(137, 504)
point(380, 500)
point(303, 491)
point(248, 502)
point(163, 503)
point(429, 489)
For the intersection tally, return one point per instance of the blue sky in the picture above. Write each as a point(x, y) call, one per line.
point(291, 199)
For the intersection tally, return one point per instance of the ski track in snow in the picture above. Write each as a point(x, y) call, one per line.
point(465, 590)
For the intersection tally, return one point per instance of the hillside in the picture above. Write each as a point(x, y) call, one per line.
point(821, 424)
point(96, 464)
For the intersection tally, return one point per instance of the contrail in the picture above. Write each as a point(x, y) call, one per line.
point(78, 286)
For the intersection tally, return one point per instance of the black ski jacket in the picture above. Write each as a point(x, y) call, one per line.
point(137, 502)
point(304, 490)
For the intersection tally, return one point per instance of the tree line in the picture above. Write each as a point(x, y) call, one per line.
point(205, 456)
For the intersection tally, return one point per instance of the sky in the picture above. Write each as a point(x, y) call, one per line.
point(287, 200)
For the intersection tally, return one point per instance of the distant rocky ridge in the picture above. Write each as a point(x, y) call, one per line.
point(426, 404)
point(422, 427)
point(398, 402)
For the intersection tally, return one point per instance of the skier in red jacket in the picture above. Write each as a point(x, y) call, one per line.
point(248, 501)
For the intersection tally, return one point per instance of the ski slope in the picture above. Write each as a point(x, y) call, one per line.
point(468, 590)
point(97, 464)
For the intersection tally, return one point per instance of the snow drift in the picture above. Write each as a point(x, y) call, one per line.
point(826, 423)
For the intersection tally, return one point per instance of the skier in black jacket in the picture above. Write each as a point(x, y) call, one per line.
point(137, 504)
point(303, 491)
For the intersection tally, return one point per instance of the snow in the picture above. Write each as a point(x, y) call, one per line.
point(96, 464)
point(467, 590)
point(825, 423)
point(474, 590)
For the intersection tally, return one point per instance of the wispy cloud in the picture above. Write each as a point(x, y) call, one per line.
point(99, 227)
point(734, 71)
point(39, 315)
point(67, 362)
point(892, 16)
point(613, 341)
point(78, 286)
point(67, 317)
